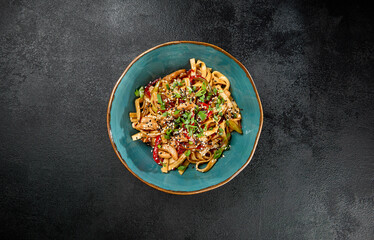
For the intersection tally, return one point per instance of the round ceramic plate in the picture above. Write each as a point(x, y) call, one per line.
point(158, 62)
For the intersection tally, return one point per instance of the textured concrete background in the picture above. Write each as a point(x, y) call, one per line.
point(312, 176)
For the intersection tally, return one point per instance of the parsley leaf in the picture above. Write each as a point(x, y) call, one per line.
point(187, 153)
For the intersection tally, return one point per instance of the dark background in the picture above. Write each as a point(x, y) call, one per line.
point(312, 176)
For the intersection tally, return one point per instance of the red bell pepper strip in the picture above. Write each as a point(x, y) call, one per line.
point(205, 104)
point(210, 113)
point(146, 89)
point(155, 150)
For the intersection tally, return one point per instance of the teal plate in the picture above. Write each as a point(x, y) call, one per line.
point(158, 62)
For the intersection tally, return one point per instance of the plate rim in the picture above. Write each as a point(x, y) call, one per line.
point(203, 189)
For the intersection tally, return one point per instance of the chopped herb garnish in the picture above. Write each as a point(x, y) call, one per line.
point(178, 120)
point(141, 92)
point(202, 115)
point(177, 95)
point(220, 113)
point(137, 93)
point(181, 168)
point(168, 132)
point(209, 96)
point(186, 115)
point(167, 86)
point(218, 153)
point(204, 86)
point(159, 99)
point(189, 90)
point(187, 153)
point(215, 118)
point(165, 114)
point(190, 132)
point(185, 121)
point(176, 112)
point(215, 90)
point(200, 92)
point(219, 100)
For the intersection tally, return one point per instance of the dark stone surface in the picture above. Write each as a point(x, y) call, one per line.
point(312, 176)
